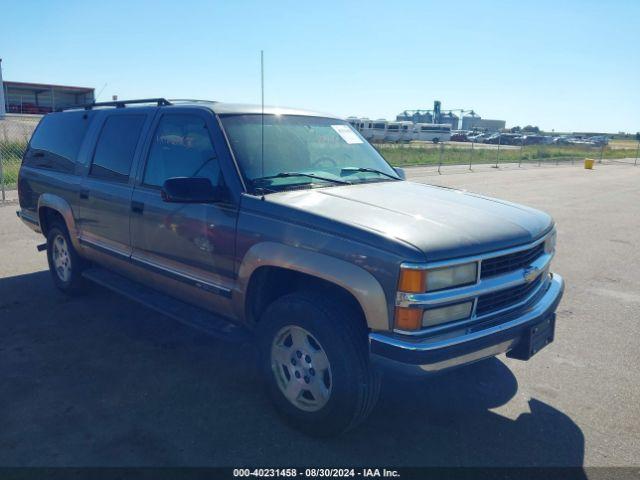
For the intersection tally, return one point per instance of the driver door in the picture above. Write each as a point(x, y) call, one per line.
point(185, 249)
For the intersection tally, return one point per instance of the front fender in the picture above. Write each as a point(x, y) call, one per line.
point(360, 283)
point(61, 206)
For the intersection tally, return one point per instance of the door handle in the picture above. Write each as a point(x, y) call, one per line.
point(137, 207)
point(84, 194)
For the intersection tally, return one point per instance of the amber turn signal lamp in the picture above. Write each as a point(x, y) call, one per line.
point(408, 318)
point(412, 281)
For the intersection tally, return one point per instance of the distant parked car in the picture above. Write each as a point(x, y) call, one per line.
point(599, 140)
point(561, 140)
point(510, 139)
point(504, 139)
point(477, 138)
point(459, 136)
point(493, 139)
point(581, 142)
point(532, 139)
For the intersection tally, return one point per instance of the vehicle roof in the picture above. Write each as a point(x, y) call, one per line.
point(224, 108)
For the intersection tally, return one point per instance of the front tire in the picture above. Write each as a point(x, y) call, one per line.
point(65, 264)
point(315, 360)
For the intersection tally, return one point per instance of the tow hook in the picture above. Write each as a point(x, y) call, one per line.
point(42, 247)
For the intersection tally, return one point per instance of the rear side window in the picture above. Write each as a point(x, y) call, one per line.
point(116, 146)
point(57, 141)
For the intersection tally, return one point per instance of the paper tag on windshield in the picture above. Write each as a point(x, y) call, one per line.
point(347, 134)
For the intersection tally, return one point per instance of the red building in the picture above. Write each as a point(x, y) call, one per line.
point(40, 98)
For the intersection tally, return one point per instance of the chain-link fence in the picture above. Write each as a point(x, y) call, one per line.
point(15, 132)
point(475, 154)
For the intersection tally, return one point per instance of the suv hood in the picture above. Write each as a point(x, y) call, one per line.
point(442, 223)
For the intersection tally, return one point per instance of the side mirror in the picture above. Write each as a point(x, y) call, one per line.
point(401, 173)
point(190, 190)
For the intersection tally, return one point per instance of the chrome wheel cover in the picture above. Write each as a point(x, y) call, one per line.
point(61, 258)
point(301, 368)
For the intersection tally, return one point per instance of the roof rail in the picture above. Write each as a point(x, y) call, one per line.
point(190, 100)
point(161, 102)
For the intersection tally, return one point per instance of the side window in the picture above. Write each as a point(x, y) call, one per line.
point(57, 141)
point(181, 147)
point(116, 147)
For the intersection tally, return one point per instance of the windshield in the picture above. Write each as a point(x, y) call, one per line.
point(302, 151)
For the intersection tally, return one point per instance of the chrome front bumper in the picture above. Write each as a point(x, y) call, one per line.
point(473, 343)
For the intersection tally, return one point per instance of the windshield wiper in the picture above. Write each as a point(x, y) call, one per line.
point(372, 170)
point(302, 174)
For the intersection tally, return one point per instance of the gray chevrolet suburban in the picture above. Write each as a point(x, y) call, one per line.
point(285, 230)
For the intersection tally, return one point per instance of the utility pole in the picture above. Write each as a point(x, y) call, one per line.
point(3, 109)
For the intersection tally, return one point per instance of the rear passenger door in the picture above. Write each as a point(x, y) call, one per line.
point(189, 247)
point(105, 194)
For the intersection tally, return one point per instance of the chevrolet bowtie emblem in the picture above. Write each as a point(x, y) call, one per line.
point(530, 274)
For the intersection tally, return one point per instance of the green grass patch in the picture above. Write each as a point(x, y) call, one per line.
point(424, 154)
point(11, 156)
point(411, 154)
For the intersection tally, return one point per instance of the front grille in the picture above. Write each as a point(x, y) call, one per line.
point(491, 302)
point(510, 262)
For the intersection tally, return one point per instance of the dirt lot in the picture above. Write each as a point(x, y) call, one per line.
point(102, 381)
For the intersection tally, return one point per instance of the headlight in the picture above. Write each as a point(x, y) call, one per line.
point(449, 277)
point(417, 279)
point(413, 280)
point(436, 316)
point(550, 243)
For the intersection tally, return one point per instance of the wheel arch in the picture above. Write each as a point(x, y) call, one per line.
point(275, 264)
point(51, 206)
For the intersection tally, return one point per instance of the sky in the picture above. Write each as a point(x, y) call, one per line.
point(561, 65)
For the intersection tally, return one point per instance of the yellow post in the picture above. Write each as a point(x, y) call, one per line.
point(588, 163)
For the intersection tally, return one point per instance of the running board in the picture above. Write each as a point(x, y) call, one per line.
point(190, 315)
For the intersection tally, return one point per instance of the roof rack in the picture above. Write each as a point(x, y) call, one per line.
point(190, 100)
point(161, 102)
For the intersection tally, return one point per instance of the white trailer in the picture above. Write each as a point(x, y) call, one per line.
point(363, 125)
point(406, 128)
point(354, 122)
point(379, 130)
point(394, 132)
point(366, 128)
point(432, 132)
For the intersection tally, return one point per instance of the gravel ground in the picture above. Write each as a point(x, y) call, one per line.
point(100, 381)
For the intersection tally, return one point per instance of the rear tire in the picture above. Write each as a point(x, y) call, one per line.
point(65, 264)
point(315, 360)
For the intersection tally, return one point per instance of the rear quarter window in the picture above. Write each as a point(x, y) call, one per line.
point(57, 140)
point(116, 147)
